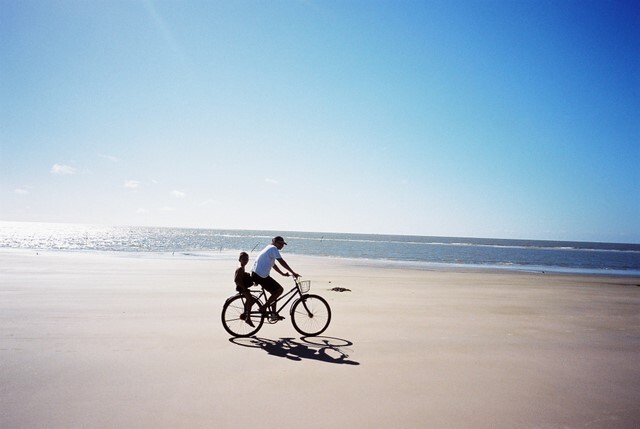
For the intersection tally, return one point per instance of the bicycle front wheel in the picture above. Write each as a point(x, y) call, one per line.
point(234, 324)
point(310, 315)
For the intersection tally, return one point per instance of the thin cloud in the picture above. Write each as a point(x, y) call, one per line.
point(272, 181)
point(109, 157)
point(142, 211)
point(163, 28)
point(62, 170)
point(167, 209)
point(178, 194)
point(21, 191)
point(132, 184)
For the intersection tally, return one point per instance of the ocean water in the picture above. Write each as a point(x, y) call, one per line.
point(416, 251)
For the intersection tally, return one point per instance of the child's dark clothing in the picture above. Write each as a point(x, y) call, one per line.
point(242, 279)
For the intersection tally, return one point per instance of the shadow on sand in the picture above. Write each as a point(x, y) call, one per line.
point(324, 349)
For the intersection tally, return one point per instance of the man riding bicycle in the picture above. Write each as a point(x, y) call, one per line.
point(261, 270)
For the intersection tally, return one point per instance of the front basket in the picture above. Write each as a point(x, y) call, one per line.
point(305, 286)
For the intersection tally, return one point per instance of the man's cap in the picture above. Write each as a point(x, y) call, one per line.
point(278, 239)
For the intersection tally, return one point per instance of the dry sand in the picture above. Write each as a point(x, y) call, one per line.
point(121, 341)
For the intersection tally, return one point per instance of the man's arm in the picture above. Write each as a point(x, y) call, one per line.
point(285, 265)
point(282, 273)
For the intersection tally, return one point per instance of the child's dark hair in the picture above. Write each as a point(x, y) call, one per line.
point(243, 255)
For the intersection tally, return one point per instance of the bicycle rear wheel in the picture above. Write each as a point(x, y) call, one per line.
point(233, 324)
point(310, 315)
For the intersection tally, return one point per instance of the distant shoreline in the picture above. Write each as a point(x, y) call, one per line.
point(231, 255)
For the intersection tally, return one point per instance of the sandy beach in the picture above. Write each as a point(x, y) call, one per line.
point(108, 340)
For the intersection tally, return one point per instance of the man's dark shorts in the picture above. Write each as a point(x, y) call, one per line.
point(268, 283)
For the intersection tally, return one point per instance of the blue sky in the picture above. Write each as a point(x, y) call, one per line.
point(509, 119)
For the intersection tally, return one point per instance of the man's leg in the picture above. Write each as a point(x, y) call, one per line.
point(274, 296)
point(274, 288)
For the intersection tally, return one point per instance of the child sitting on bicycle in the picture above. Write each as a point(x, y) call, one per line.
point(243, 282)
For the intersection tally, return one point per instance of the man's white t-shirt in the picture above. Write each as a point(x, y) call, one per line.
point(265, 260)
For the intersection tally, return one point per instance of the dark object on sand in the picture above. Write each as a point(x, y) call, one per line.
point(341, 289)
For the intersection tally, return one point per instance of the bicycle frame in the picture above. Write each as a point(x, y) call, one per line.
point(290, 295)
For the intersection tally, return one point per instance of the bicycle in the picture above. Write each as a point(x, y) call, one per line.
point(310, 314)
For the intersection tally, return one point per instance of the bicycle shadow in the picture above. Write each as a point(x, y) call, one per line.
point(323, 349)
